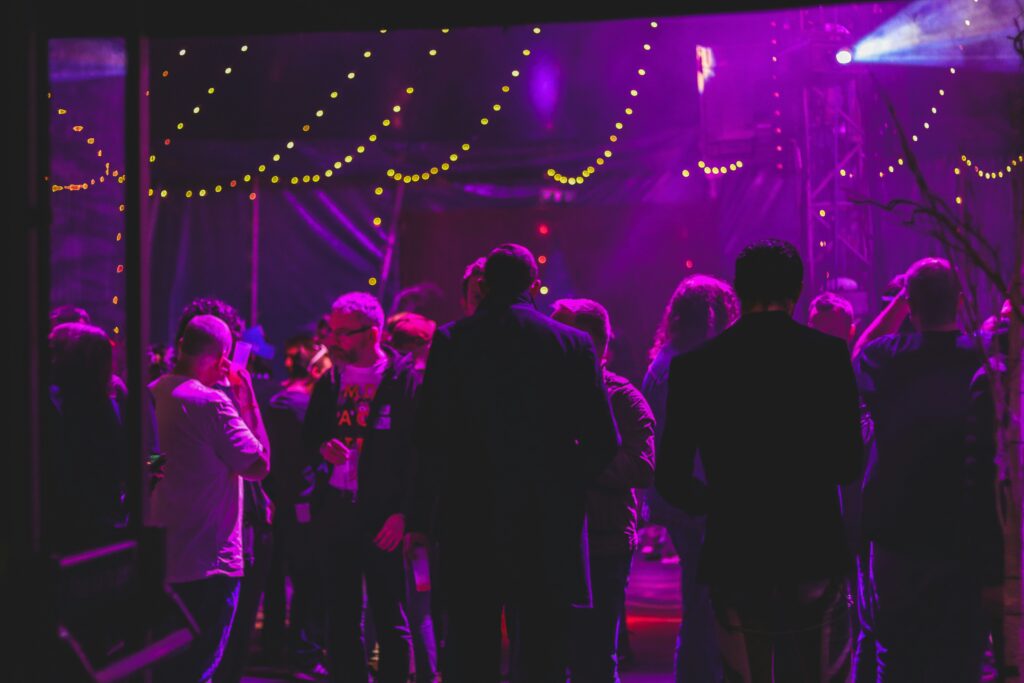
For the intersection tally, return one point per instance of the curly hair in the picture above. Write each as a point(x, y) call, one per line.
point(701, 307)
point(215, 307)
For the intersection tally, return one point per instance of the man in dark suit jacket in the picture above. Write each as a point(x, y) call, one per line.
point(513, 423)
point(772, 408)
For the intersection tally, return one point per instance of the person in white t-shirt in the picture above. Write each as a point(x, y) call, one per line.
point(358, 431)
point(209, 449)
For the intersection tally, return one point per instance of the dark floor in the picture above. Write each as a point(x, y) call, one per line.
point(653, 607)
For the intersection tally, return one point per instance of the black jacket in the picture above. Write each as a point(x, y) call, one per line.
point(772, 407)
point(387, 458)
point(513, 424)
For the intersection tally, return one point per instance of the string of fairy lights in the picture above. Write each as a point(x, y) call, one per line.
point(440, 167)
point(966, 164)
point(320, 113)
point(108, 172)
point(197, 108)
point(581, 175)
point(426, 172)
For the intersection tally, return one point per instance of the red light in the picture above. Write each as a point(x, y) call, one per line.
point(542, 260)
point(543, 229)
point(689, 263)
point(252, 195)
point(167, 142)
point(233, 183)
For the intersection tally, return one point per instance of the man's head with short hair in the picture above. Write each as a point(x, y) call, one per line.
point(933, 292)
point(472, 286)
point(357, 323)
point(510, 270)
point(586, 315)
point(769, 274)
point(298, 352)
point(411, 333)
point(81, 360)
point(204, 349)
point(68, 314)
point(832, 314)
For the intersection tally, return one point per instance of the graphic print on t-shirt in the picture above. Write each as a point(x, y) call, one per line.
point(352, 419)
point(351, 423)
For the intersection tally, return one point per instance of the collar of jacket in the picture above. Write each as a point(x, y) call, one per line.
point(495, 302)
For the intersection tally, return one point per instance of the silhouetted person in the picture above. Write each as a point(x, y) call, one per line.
point(928, 503)
point(91, 466)
point(771, 407)
point(612, 507)
point(513, 425)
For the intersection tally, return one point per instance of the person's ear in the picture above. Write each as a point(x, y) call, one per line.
point(535, 287)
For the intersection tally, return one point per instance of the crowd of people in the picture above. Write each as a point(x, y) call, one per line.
point(422, 490)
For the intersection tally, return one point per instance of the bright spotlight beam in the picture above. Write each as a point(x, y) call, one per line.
point(944, 33)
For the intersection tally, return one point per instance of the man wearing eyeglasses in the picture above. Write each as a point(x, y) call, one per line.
point(358, 429)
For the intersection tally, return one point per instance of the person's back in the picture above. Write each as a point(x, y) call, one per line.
point(767, 420)
point(92, 465)
point(516, 385)
point(916, 388)
point(513, 422)
point(209, 449)
point(772, 408)
point(197, 500)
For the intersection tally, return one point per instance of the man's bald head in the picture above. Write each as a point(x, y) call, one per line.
point(206, 335)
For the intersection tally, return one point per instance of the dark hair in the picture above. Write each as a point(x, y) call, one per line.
point(81, 360)
point(215, 307)
point(933, 291)
point(307, 348)
point(424, 298)
point(768, 272)
point(159, 356)
point(406, 331)
point(510, 270)
point(474, 269)
point(68, 314)
point(700, 308)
